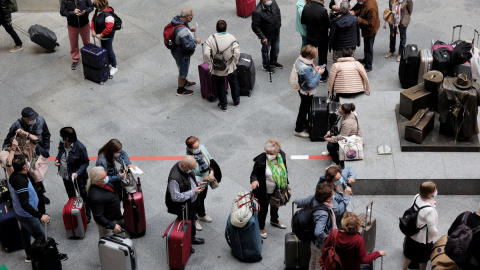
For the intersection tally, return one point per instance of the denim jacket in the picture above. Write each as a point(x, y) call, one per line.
point(308, 78)
point(322, 219)
point(111, 170)
point(77, 160)
point(340, 201)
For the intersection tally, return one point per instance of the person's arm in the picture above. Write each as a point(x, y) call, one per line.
point(331, 79)
point(89, 8)
point(363, 74)
point(124, 156)
point(320, 219)
point(310, 76)
point(256, 22)
point(301, 203)
point(97, 212)
point(6, 14)
point(20, 184)
point(101, 161)
point(409, 7)
point(331, 36)
point(207, 53)
point(366, 23)
point(328, 242)
point(45, 143)
point(431, 219)
point(363, 256)
point(178, 196)
point(236, 52)
point(109, 22)
point(279, 13)
point(64, 11)
point(11, 133)
point(340, 203)
point(84, 161)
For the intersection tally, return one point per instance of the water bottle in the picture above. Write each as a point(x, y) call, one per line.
point(170, 42)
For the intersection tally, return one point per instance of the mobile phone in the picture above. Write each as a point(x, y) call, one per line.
point(203, 186)
point(323, 66)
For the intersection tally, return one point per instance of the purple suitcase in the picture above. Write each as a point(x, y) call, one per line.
point(207, 84)
point(95, 63)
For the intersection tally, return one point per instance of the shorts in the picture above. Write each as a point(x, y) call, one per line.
point(183, 63)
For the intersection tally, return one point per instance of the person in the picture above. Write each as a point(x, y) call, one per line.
point(343, 193)
point(107, 155)
point(266, 23)
point(347, 76)
point(185, 44)
point(102, 28)
point(344, 33)
point(349, 126)
point(335, 7)
point(25, 202)
point(417, 248)
point(269, 172)
point(77, 12)
point(182, 192)
point(315, 17)
point(301, 28)
point(203, 170)
point(369, 23)
point(6, 22)
point(308, 79)
point(226, 44)
point(72, 162)
point(350, 246)
point(402, 9)
point(473, 221)
point(104, 203)
point(324, 220)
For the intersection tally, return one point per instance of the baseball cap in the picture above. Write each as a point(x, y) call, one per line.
point(29, 113)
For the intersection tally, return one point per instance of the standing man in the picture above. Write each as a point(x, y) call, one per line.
point(77, 12)
point(224, 43)
point(301, 28)
point(182, 191)
point(6, 22)
point(315, 17)
point(185, 44)
point(266, 23)
point(369, 23)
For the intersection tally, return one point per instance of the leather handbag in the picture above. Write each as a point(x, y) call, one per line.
point(388, 16)
point(242, 208)
point(420, 125)
point(280, 197)
point(40, 169)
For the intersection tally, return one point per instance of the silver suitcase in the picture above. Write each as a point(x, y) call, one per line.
point(117, 253)
point(426, 62)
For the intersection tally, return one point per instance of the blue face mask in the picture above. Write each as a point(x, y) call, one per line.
point(196, 151)
point(338, 182)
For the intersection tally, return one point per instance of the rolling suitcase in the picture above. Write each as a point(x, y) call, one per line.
point(318, 119)
point(368, 228)
point(44, 254)
point(208, 87)
point(465, 68)
point(409, 66)
point(134, 212)
point(297, 253)
point(95, 63)
point(245, 7)
point(117, 253)
point(179, 242)
point(10, 236)
point(438, 259)
point(245, 242)
point(426, 62)
point(332, 116)
point(246, 74)
point(43, 37)
point(74, 215)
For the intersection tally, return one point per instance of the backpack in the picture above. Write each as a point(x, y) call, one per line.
point(302, 222)
point(330, 259)
point(461, 53)
point(218, 60)
point(408, 222)
point(12, 6)
point(118, 22)
point(169, 35)
point(458, 242)
point(294, 78)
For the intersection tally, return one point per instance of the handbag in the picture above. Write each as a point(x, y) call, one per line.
point(39, 170)
point(242, 208)
point(280, 197)
point(330, 260)
point(213, 165)
point(351, 148)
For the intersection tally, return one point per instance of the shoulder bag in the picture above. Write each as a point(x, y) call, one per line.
point(351, 147)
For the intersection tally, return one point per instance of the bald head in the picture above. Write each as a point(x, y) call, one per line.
point(186, 12)
point(188, 163)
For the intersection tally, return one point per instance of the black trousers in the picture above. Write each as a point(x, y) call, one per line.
point(303, 110)
point(333, 151)
point(201, 202)
point(10, 31)
point(262, 215)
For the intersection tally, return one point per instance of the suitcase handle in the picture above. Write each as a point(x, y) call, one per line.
point(369, 205)
point(79, 199)
point(459, 33)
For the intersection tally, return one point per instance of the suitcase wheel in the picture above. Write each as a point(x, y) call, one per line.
point(110, 77)
point(101, 83)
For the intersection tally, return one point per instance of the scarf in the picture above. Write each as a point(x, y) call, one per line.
point(279, 173)
point(305, 60)
point(334, 219)
point(398, 12)
point(202, 165)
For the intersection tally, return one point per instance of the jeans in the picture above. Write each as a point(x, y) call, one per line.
point(333, 151)
point(30, 227)
point(273, 45)
point(393, 38)
point(222, 93)
point(10, 31)
point(108, 45)
point(183, 63)
point(262, 215)
point(303, 110)
point(368, 50)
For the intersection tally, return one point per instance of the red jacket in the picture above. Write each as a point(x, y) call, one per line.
point(351, 249)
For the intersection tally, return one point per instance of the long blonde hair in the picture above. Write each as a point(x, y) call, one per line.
point(96, 174)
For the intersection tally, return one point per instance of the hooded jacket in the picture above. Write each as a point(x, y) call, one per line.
point(4, 12)
point(368, 18)
point(344, 33)
point(67, 7)
point(184, 40)
point(266, 21)
point(39, 129)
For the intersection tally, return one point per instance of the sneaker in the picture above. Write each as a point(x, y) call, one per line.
point(205, 218)
point(263, 234)
point(278, 225)
point(388, 55)
point(113, 70)
point(222, 108)
point(198, 226)
point(28, 259)
point(187, 83)
point(325, 154)
point(268, 69)
point(45, 199)
point(74, 65)
point(16, 48)
point(399, 57)
point(302, 134)
point(184, 92)
point(62, 257)
point(277, 65)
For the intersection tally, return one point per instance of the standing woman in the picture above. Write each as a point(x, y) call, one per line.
point(402, 9)
point(417, 248)
point(76, 12)
point(201, 155)
point(102, 28)
point(269, 171)
point(6, 22)
point(72, 161)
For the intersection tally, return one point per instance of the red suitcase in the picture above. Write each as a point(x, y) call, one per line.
point(134, 212)
point(179, 243)
point(245, 7)
point(207, 84)
point(74, 216)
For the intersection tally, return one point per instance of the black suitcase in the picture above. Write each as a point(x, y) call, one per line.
point(246, 74)
point(95, 63)
point(465, 68)
point(43, 37)
point(441, 61)
point(45, 254)
point(318, 119)
point(409, 66)
point(297, 253)
point(10, 236)
point(332, 116)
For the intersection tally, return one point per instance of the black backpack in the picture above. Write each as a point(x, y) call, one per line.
point(302, 221)
point(458, 242)
point(218, 60)
point(408, 222)
point(117, 25)
point(461, 53)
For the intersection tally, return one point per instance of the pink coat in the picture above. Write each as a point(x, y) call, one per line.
point(348, 76)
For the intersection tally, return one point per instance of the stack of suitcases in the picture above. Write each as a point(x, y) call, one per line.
point(95, 63)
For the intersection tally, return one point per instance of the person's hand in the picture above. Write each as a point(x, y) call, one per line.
point(57, 163)
point(255, 184)
point(193, 28)
point(199, 40)
point(99, 36)
point(265, 41)
point(74, 175)
point(76, 11)
point(45, 218)
point(382, 253)
point(352, 12)
point(351, 180)
point(328, 139)
point(336, 8)
point(321, 71)
point(131, 166)
point(348, 191)
point(117, 228)
point(197, 190)
point(83, 13)
point(14, 144)
point(93, 33)
point(122, 174)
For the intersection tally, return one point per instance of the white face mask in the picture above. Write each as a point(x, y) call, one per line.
point(271, 157)
point(32, 122)
point(268, 3)
point(337, 113)
point(196, 151)
point(435, 194)
point(61, 140)
point(28, 163)
point(116, 154)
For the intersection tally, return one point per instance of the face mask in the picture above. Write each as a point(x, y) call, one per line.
point(435, 194)
point(337, 112)
point(116, 154)
point(268, 3)
point(105, 180)
point(271, 157)
point(196, 151)
point(61, 140)
point(191, 172)
point(338, 182)
point(32, 122)
point(28, 163)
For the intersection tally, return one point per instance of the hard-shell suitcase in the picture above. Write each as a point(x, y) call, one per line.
point(208, 87)
point(179, 242)
point(95, 63)
point(368, 228)
point(43, 37)
point(438, 259)
point(10, 236)
point(245, 242)
point(297, 253)
point(74, 216)
point(44, 254)
point(246, 74)
point(318, 119)
point(426, 62)
point(117, 253)
point(409, 66)
point(441, 61)
point(134, 212)
point(245, 7)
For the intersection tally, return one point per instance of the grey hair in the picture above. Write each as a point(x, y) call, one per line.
point(344, 7)
point(272, 145)
point(95, 175)
point(186, 12)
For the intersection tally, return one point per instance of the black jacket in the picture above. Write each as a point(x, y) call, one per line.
point(258, 174)
point(68, 6)
point(183, 180)
point(344, 33)
point(39, 129)
point(473, 221)
point(4, 13)
point(77, 160)
point(315, 17)
point(105, 206)
point(266, 23)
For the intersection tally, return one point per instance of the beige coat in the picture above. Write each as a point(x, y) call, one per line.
point(348, 76)
point(224, 43)
point(348, 127)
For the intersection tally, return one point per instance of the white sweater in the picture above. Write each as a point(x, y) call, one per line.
point(429, 216)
